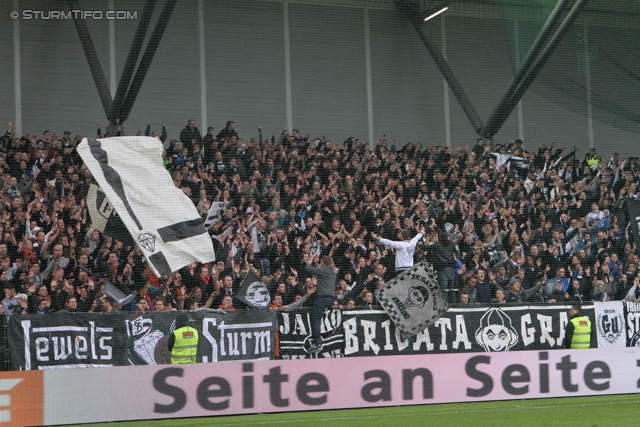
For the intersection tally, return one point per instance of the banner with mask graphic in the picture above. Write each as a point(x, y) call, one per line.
point(413, 300)
point(473, 329)
point(66, 340)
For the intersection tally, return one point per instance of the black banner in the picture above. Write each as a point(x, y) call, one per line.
point(294, 334)
point(632, 317)
point(63, 340)
point(482, 329)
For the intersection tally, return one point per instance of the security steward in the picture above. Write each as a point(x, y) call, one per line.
point(183, 343)
point(592, 158)
point(578, 331)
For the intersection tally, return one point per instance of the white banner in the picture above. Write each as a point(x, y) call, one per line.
point(233, 388)
point(609, 324)
point(160, 217)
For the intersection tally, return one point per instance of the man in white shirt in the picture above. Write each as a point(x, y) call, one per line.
point(404, 248)
point(595, 215)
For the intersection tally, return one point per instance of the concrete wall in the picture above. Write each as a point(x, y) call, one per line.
point(338, 70)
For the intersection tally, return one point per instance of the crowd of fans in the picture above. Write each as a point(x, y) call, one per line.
point(530, 224)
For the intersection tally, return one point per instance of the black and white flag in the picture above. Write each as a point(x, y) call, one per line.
point(160, 217)
point(253, 292)
point(215, 213)
point(120, 297)
point(413, 300)
point(104, 218)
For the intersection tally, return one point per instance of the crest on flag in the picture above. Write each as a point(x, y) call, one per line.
point(413, 300)
point(147, 241)
point(104, 217)
point(610, 324)
point(253, 292)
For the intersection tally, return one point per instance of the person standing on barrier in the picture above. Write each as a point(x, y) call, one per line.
point(325, 290)
point(183, 343)
point(578, 332)
point(442, 252)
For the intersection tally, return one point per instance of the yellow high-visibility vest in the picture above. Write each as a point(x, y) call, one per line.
point(593, 161)
point(185, 347)
point(581, 332)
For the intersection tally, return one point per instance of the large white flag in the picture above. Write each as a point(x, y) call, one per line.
point(159, 216)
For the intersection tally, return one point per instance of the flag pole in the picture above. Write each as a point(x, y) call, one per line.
point(168, 289)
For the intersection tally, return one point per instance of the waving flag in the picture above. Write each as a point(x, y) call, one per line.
point(253, 292)
point(215, 213)
point(160, 217)
point(104, 217)
point(413, 300)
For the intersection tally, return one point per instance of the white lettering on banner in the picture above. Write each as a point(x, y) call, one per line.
point(370, 335)
point(297, 385)
point(299, 327)
point(423, 337)
point(263, 342)
point(546, 329)
point(206, 323)
point(444, 324)
point(633, 323)
point(261, 338)
point(564, 319)
point(386, 325)
point(330, 322)
point(59, 343)
point(452, 333)
point(528, 334)
point(402, 344)
point(350, 337)
point(461, 333)
point(81, 347)
point(284, 328)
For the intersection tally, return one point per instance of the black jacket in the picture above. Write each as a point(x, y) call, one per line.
point(442, 255)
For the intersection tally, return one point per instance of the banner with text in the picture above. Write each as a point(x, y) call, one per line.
point(64, 340)
point(247, 387)
point(609, 324)
point(488, 329)
point(294, 332)
point(633, 323)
